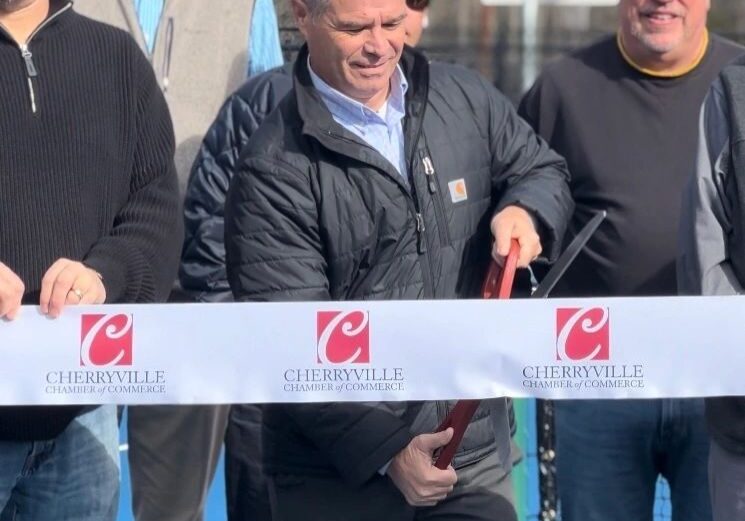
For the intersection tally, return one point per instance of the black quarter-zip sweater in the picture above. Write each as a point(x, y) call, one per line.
point(86, 173)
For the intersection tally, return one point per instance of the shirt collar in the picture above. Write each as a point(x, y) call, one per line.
point(353, 112)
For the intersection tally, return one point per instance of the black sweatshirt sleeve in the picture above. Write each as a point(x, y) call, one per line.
point(138, 258)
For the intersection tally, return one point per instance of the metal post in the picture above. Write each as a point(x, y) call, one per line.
point(530, 42)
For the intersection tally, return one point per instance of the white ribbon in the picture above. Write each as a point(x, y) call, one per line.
point(371, 351)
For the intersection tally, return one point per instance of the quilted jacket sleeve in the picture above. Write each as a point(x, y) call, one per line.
point(275, 253)
point(202, 271)
point(272, 238)
point(526, 172)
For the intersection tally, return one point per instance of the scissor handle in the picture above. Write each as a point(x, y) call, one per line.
point(458, 418)
point(498, 283)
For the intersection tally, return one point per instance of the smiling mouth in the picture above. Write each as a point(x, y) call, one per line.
point(660, 18)
point(369, 67)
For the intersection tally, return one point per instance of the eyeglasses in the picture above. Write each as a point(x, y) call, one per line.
point(417, 5)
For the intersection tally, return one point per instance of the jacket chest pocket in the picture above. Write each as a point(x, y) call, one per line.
point(458, 185)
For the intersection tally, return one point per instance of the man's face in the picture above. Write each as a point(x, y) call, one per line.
point(663, 26)
point(355, 45)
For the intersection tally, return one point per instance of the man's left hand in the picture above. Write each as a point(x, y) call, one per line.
point(70, 283)
point(515, 223)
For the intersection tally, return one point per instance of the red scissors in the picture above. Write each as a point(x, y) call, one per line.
point(498, 284)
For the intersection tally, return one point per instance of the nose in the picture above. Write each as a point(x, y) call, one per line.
point(376, 43)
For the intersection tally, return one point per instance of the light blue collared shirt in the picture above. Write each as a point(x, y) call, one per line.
point(382, 130)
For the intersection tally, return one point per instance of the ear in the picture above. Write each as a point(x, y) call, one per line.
point(302, 16)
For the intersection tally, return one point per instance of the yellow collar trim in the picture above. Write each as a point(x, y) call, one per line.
point(666, 74)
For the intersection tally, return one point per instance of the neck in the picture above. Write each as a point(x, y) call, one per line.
point(377, 101)
point(664, 65)
point(21, 22)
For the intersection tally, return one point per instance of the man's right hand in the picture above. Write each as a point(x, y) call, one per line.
point(413, 472)
point(11, 293)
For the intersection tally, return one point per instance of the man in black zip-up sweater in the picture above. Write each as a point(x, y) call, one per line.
point(329, 203)
point(88, 215)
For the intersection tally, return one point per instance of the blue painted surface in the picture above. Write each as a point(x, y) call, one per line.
point(216, 509)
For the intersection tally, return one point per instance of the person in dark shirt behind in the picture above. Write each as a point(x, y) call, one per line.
point(623, 112)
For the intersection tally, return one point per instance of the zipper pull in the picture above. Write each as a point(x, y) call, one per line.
point(429, 170)
point(28, 59)
point(420, 246)
point(31, 73)
point(419, 223)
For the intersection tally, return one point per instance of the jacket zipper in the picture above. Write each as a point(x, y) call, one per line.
point(30, 74)
point(28, 58)
point(431, 174)
point(441, 407)
point(412, 202)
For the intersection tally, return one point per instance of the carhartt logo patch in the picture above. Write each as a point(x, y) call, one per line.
point(458, 191)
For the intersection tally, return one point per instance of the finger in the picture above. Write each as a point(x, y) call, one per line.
point(528, 250)
point(10, 307)
point(83, 291)
point(72, 298)
point(89, 297)
point(499, 259)
point(453, 476)
point(95, 294)
point(502, 235)
point(47, 283)
point(436, 493)
point(442, 481)
point(11, 293)
point(436, 499)
point(433, 441)
point(5, 307)
point(14, 311)
point(61, 287)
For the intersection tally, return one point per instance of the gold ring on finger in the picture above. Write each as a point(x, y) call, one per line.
point(77, 293)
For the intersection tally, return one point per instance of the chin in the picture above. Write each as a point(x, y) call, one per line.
point(661, 44)
point(366, 85)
